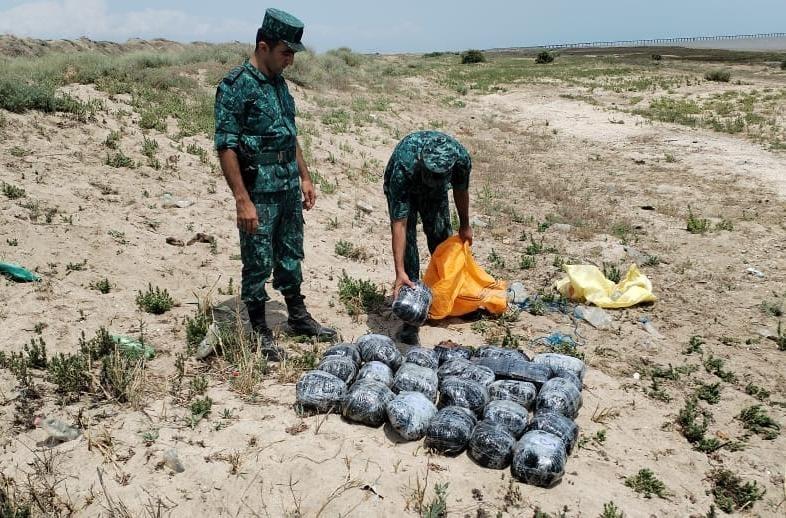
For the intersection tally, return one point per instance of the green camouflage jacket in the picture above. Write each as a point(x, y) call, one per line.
point(403, 180)
point(255, 116)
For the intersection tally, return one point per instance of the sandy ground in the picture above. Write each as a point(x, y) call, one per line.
point(539, 153)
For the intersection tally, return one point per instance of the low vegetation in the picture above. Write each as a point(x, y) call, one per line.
point(646, 483)
point(154, 300)
point(359, 295)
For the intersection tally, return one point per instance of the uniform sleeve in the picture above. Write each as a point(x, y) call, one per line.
point(459, 179)
point(397, 193)
point(228, 113)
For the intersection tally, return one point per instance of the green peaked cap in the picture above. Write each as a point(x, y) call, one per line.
point(280, 25)
point(440, 154)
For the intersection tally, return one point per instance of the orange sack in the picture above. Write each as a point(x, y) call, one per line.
point(459, 285)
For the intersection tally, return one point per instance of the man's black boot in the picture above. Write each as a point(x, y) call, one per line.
point(263, 334)
point(302, 323)
point(409, 334)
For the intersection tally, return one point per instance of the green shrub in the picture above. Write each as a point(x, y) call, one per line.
point(527, 262)
point(149, 147)
point(151, 119)
point(119, 160)
point(696, 225)
point(359, 295)
point(656, 57)
point(693, 421)
point(472, 56)
point(98, 346)
point(199, 409)
point(12, 192)
point(646, 483)
point(71, 375)
point(155, 301)
point(112, 139)
point(338, 120)
point(731, 494)
point(720, 76)
point(544, 57)
point(196, 328)
point(756, 419)
point(101, 285)
point(783, 64)
point(346, 55)
point(350, 251)
point(36, 354)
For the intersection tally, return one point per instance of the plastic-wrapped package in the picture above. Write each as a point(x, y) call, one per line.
point(499, 352)
point(412, 304)
point(409, 414)
point(374, 347)
point(423, 356)
point(351, 351)
point(559, 395)
point(568, 375)
point(452, 367)
point(556, 424)
point(376, 371)
point(539, 459)
point(413, 378)
point(451, 352)
point(449, 431)
point(341, 367)
point(319, 391)
point(562, 362)
point(460, 392)
point(520, 370)
point(507, 414)
point(521, 392)
point(465, 369)
point(479, 373)
point(491, 445)
point(366, 402)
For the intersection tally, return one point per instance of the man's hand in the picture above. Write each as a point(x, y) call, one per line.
point(465, 233)
point(309, 194)
point(247, 220)
point(401, 279)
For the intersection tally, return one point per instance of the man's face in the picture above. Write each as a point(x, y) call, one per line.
point(278, 58)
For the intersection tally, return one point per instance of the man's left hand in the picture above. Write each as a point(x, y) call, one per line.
point(465, 233)
point(309, 194)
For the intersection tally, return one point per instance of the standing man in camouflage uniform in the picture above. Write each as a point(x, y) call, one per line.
point(263, 164)
point(423, 167)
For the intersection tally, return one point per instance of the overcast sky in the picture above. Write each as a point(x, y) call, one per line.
point(395, 26)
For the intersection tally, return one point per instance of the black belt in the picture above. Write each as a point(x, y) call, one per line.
point(284, 156)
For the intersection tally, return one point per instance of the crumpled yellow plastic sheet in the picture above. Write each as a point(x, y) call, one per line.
point(586, 282)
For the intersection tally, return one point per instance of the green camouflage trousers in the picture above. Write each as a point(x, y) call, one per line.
point(277, 245)
point(435, 214)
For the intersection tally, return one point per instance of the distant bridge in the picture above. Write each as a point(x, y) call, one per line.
point(660, 41)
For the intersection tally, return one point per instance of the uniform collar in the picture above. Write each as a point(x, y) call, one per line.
point(258, 74)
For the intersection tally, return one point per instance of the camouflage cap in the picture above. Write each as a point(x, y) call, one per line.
point(280, 25)
point(440, 154)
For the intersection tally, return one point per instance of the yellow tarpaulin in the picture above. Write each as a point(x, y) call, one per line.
point(458, 285)
point(587, 282)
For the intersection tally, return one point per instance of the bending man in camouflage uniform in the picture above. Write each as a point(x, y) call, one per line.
point(256, 139)
point(423, 167)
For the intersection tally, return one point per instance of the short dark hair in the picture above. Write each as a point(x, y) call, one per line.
point(270, 42)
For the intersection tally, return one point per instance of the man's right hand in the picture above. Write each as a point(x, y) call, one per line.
point(247, 220)
point(401, 279)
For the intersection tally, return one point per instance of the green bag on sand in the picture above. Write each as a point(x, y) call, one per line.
point(132, 348)
point(17, 273)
